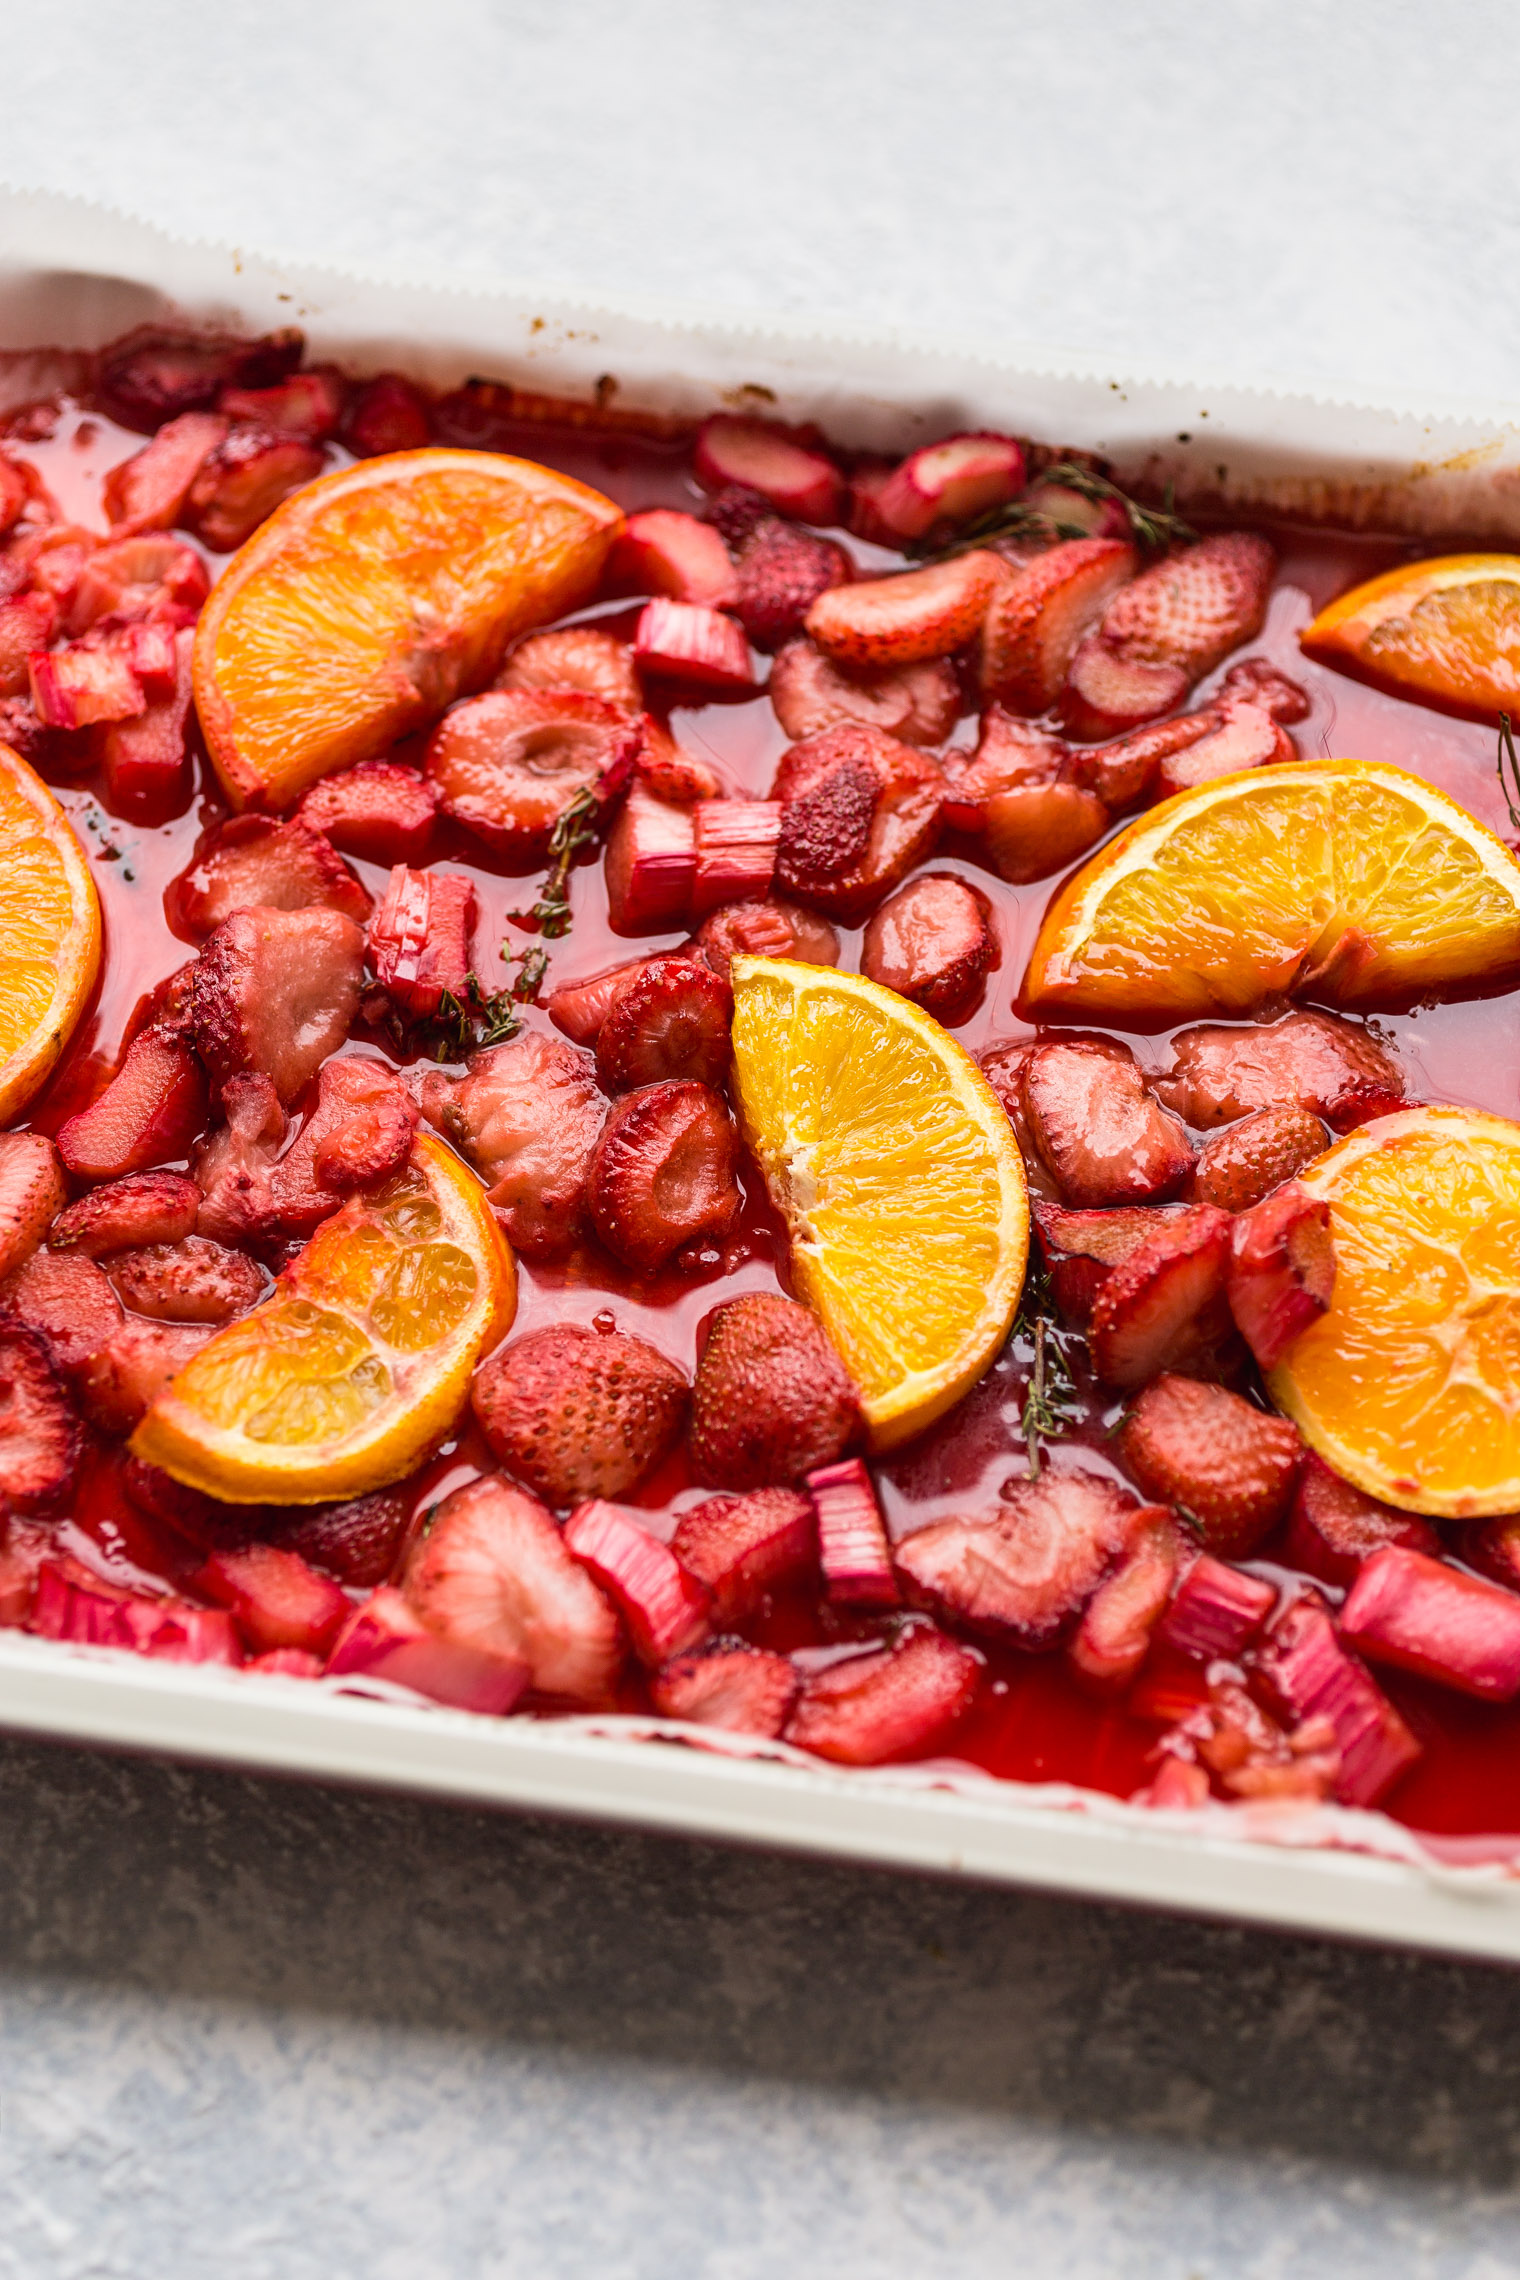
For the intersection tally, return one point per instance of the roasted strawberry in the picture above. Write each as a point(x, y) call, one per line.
point(778, 463)
point(308, 405)
point(742, 1547)
point(671, 1020)
point(234, 1168)
point(1163, 1307)
point(1035, 620)
point(31, 1196)
point(358, 1135)
point(25, 1545)
point(527, 1115)
point(193, 1280)
point(741, 1689)
point(1081, 1249)
point(888, 1702)
point(1245, 1161)
point(1335, 1526)
point(1304, 1667)
point(1099, 1130)
point(1282, 1270)
point(810, 693)
point(1229, 1466)
point(782, 572)
point(1216, 1611)
point(121, 1381)
point(736, 513)
point(419, 939)
point(1314, 1060)
point(662, 1173)
point(492, 1573)
point(853, 1550)
point(379, 811)
point(765, 930)
point(275, 1599)
point(772, 1400)
point(1259, 682)
point(1026, 1573)
point(148, 491)
point(1193, 608)
point(664, 1607)
point(877, 622)
point(389, 413)
point(507, 765)
point(27, 623)
point(669, 772)
point(580, 1008)
point(1124, 773)
point(137, 578)
point(252, 862)
point(945, 484)
point(144, 759)
point(650, 865)
point(68, 1301)
point(1010, 754)
point(1246, 736)
point(200, 1520)
point(150, 1111)
point(576, 1413)
point(735, 843)
point(663, 551)
point(1034, 829)
point(157, 371)
point(576, 657)
point(1003, 1066)
point(274, 993)
point(356, 1543)
point(694, 646)
point(243, 479)
point(386, 1639)
point(1114, 1635)
point(860, 810)
point(39, 1434)
point(1108, 693)
point(933, 941)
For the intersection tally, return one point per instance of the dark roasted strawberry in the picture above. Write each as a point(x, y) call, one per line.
point(1229, 1466)
point(942, 485)
point(1114, 1635)
point(39, 1434)
point(1307, 1671)
point(582, 657)
point(735, 843)
point(198, 1519)
point(853, 1550)
point(148, 491)
point(129, 1372)
point(156, 371)
point(274, 993)
point(664, 1607)
point(772, 1400)
point(651, 863)
point(379, 811)
point(507, 765)
point(810, 693)
point(193, 1280)
point(234, 1168)
point(68, 1301)
point(1259, 682)
point(860, 810)
point(1335, 1526)
point(782, 572)
point(1163, 1306)
point(694, 646)
point(879, 622)
point(1081, 1249)
point(150, 1111)
point(356, 1543)
point(576, 1413)
point(1312, 1060)
point(1282, 1270)
point(527, 1116)
point(1193, 608)
point(275, 1599)
point(736, 513)
point(739, 1688)
point(1026, 1573)
point(780, 464)
point(671, 1020)
point(389, 413)
point(1246, 736)
point(32, 1196)
point(765, 930)
point(662, 1173)
point(889, 1702)
point(253, 862)
point(742, 1547)
point(933, 941)
point(1239, 1165)
point(663, 551)
point(419, 939)
point(308, 405)
point(243, 479)
point(1102, 1135)
point(1035, 620)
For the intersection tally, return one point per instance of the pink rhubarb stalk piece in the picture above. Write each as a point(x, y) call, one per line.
point(1282, 1270)
point(793, 478)
point(1420, 1614)
point(419, 938)
point(663, 1605)
point(74, 1605)
point(1307, 1668)
point(663, 551)
point(852, 1537)
point(650, 865)
point(1216, 1611)
point(690, 643)
point(148, 1114)
point(87, 682)
point(950, 482)
point(383, 1639)
point(736, 842)
point(275, 1598)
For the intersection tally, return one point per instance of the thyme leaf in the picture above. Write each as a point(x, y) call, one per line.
point(1050, 1399)
point(1153, 528)
point(574, 828)
point(1508, 758)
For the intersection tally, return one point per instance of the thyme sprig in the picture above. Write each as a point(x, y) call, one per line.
point(1050, 1399)
point(574, 828)
point(470, 1022)
point(1153, 529)
point(1510, 759)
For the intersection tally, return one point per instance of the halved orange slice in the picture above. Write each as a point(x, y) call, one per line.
point(49, 932)
point(373, 598)
point(1446, 632)
point(359, 1362)
point(1342, 880)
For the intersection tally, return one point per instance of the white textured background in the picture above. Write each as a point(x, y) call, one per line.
point(284, 2034)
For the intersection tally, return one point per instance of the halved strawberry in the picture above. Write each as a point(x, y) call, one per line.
point(1123, 773)
point(810, 693)
point(1334, 1527)
point(782, 572)
point(650, 865)
point(1163, 1307)
point(786, 470)
point(1107, 693)
point(149, 1112)
point(947, 483)
point(889, 1702)
point(1305, 1668)
point(860, 810)
point(912, 615)
point(739, 1688)
point(1229, 1466)
point(355, 1543)
point(693, 645)
point(68, 1302)
point(243, 478)
point(1025, 1573)
point(1314, 1060)
point(1114, 1635)
point(934, 942)
point(1238, 1166)
point(149, 490)
point(1282, 1270)
point(1258, 680)
point(39, 1433)
point(1246, 737)
point(662, 1173)
point(1035, 620)
point(1193, 608)
point(736, 843)
point(158, 370)
point(580, 1008)
point(668, 771)
point(274, 993)
point(251, 861)
point(772, 1401)
point(193, 1280)
point(527, 1116)
point(672, 1019)
point(1034, 829)
point(275, 1599)
point(419, 939)
point(767, 929)
point(125, 1376)
point(379, 811)
point(385, 1639)
point(662, 551)
point(852, 1537)
point(1003, 1066)
point(664, 1607)
point(235, 1166)
point(507, 765)
point(492, 1573)
point(389, 413)
point(576, 1413)
point(1217, 1611)
point(584, 657)
point(32, 1195)
point(1098, 1128)
point(741, 1547)
point(1081, 1248)
point(308, 405)
point(145, 759)
point(358, 1135)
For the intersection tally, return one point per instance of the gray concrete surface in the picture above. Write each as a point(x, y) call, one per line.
point(276, 2032)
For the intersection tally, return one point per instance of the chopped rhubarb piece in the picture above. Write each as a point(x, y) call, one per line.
point(1246, 737)
point(144, 759)
point(419, 939)
point(1179, 1787)
point(355, 1543)
point(509, 764)
point(1306, 1668)
point(389, 413)
point(1107, 694)
point(1026, 1574)
point(15, 492)
point(148, 1114)
point(74, 1605)
point(1098, 1128)
point(671, 1019)
point(1281, 1274)
point(949, 483)
point(765, 930)
point(860, 811)
point(1035, 621)
point(782, 572)
point(68, 1302)
point(27, 624)
point(156, 371)
point(1252, 1756)
point(527, 1116)
point(662, 551)
point(1311, 1060)
point(136, 578)
point(1259, 682)
point(1422, 1614)
point(1082, 1247)
point(772, 1401)
point(852, 1537)
point(918, 703)
point(795, 479)
point(149, 650)
point(736, 843)
point(1241, 1165)
point(1114, 1635)
point(1034, 829)
point(576, 1413)
point(85, 683)
point(742, 1547)
point(384, 1639)
point(1216, 1611)
point(903, 619)
point(286, 1662)
point(121, 1382)
point(378, 811)
point(1074, 514)
point(253, 862)
point(243, 479)
point(934, 942)
point(694, 645)
point(650, 865)
point(148, 491)
point(309, 405)
point(1011, 754)
point(662, 1173)
point(890, 1702)
point(275, 1598)
point(56, 561)
point(1229, 1466)
point(741, 1689)
point(273, 995)
point(31, 1195)
point(1335, 1526)
point(39, 1434)
point(664, 1607)
point(580, 1008)
point(1163, 1306)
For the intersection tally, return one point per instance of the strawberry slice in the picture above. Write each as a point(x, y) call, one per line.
point(772, 1402)
point(252, 862)
point(145, 759)
point(667, 770)
point(860, 811)
point(149, 1112)
point(68, 1302)
point(741, 1689)
point(1010, 754)
point(1098, 1128)
point(243, 478)
point(742, 1547)
point(39, 1434)
point(378, 811)
point(934, 942)
point(384, 1639)
point(149, 490)
point(663, 1606)
point(890, 1702)
point(947, 483)
point(355, 1543)
point(1424, 1615)
point(193, 1280)
point(1081, 1247)
point(1240, 1165)
point(275, 1599)
point(1124, 773)
point(1229, 1466)
point(903, 619)
point(358, 1135)
point(1312, 1060)
point(1107, 693)
point(32, 1196)
point(1114, 1636)
point(1036, 619)
point(695, 646)
point(580, 1008)
point(1216, 1611)
point(1258, 680)
point(918, 703)
point(671, 1020)
point(782, 572)
point(779, 463)
point(1304, 1666)
point(662, 1173)
point(308, 405)
point(509, 764)
point(1026, 1574)
point(764, 930)
point(1192, 609)
point(735, 845)
point(584, 657)
point(419, 939)
point(389, 413)
point(576, 1413)
point(526, 1115)
point(1034, 829)
point(121, 1380)
point(274, 993)
point(662, 551)
point(651, 864)
point(1247, 736)
point(1282, 1270)
point(852, 1537)
point(1335, 1526)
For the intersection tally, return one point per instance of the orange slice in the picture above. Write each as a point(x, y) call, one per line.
point(49, 932)
point(359, 1362)
point(373, 598)
point(1342, 880)
point(1446, 632)
point(1410, 1384)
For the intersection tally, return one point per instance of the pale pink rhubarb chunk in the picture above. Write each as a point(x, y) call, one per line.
point(852, 1537)
point(735, 846)
point(384, 1639)
point(148, 1114)
point(663, 1605)
point(419, 939)
point(73, 1604)
point(790, 475)
point(1423, 1615)
point(696, 646)
point(950, 482)
point(1308, 1670)
point(651, 864)
point(663, 551)
point(1216, 1610)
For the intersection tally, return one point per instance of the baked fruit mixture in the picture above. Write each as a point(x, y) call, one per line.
point(862, 1102)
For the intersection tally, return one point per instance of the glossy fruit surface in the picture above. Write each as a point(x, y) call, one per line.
point(899, 1177)
point(1446, 632)
point(49, 932)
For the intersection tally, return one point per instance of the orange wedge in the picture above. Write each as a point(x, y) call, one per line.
point(1410, 1384)
point(49, 932)
point(1446, 632)
point(359, 1363)
point(1342, 880)
point(373, 598)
